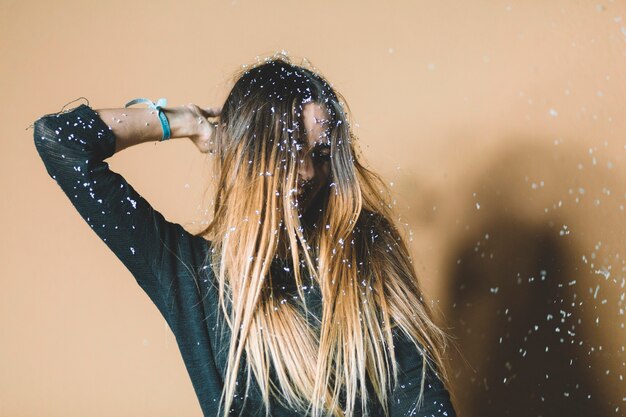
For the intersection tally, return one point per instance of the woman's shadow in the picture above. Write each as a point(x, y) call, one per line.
point(519, 303)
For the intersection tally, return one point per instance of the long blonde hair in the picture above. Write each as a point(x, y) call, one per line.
point(351, 249)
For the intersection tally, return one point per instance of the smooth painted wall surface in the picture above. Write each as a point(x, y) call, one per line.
point(500, 126)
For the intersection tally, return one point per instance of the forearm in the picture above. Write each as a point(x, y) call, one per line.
point(132, 126)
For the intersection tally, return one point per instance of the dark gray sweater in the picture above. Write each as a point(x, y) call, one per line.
point(168, 263)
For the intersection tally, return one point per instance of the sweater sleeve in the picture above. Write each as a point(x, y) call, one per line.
point(158, 253)
point(436, 399)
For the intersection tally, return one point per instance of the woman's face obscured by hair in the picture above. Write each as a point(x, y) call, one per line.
point(314, 166)
point(281, 121)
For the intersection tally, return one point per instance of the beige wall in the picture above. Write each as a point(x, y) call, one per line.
point(501, 125)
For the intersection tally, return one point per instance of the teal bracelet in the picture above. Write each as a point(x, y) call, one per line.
point(162, 102)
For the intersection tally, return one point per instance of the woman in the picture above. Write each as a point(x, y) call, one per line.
point(301, 257)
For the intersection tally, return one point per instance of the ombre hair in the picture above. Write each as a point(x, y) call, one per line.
point(350, 248)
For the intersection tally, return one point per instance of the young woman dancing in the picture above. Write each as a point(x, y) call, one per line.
point(299, 298)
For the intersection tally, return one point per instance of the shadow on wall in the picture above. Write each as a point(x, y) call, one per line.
point(523, 308)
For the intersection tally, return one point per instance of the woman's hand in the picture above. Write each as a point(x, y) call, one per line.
point(205, 129)
point(201, 129)
point(192, 121)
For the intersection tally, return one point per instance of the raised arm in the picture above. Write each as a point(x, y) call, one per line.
point(132, 126)
point(160, 254)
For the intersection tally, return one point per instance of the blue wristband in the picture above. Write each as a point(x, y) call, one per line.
point(162, 102)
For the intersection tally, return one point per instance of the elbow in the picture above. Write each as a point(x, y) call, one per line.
point(47, 136)
point(79, 133)
point(46, 143)
point(55, 135)
point(72, 143)
point(55, 144)
point(47, 129)
point(43, 135)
